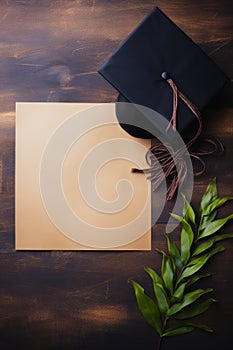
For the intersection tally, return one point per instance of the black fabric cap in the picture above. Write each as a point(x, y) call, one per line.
point(156, 49)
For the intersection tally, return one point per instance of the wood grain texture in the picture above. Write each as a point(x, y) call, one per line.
point(50, 51)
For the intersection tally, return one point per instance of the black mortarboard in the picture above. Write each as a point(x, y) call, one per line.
point(139, 69)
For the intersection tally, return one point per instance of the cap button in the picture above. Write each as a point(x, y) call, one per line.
point(165, 75)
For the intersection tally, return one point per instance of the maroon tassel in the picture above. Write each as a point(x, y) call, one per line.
point(172, 165)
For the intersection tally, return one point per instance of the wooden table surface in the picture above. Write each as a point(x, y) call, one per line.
point(50, 51)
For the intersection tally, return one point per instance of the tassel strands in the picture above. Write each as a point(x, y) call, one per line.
point(171, 164)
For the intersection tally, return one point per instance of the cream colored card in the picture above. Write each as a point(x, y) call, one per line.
point(74, 185)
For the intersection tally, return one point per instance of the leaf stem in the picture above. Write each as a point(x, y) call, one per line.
point(159, 343)
point(161, 337)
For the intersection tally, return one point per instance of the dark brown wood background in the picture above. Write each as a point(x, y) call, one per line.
point(50, 51)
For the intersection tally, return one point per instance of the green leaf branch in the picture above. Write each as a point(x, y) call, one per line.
point(176, 300)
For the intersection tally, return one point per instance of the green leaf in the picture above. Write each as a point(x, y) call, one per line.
point(179, 293)
point(208, 256)
point(188, 299)
point(214, 226)
point(204, 246)
point(174, 251)
point(223, 236)
point(167, 273)
point(195, 309)
point(203, 327)
point(148, 308)
point(154, 275)
point(177, 217)
point(172, 248)
point(184, 329)
point(159, 290)
point(188, 211)
point(196, 264)
point(186, 240)
point(178, 330)
point(161, 298)
point(217, 203)
point(209, 196)
point(206, 220)
point(160, 251)
point(209, 243)
point(196, 278)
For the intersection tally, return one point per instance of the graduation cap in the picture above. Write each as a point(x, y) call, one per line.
point(160, 67)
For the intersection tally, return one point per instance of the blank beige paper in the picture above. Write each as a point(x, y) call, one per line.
point(74, 185)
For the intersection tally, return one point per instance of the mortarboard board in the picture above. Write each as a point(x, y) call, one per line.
point(154, 52)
